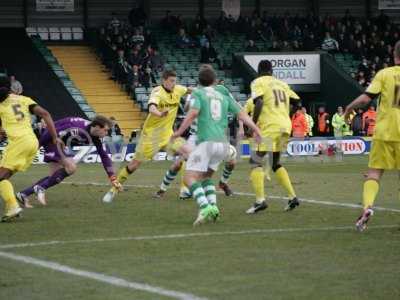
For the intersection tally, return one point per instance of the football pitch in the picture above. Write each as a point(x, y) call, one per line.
point(139, 247)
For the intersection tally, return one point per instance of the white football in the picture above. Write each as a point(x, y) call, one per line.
point(232, 153)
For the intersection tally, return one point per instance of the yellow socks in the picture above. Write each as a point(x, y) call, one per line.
point(257, 180)
point(284, 180)
point(123, 175)
point(7, 193)
point(371, 188)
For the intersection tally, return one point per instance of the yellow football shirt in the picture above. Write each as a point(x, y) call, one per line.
point(276, 94)
point(387, 84)
point(16, 117)
point(165, 101)
point(249, 106)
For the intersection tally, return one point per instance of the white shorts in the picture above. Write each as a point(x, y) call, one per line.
point(191, 141)
point(207, 155)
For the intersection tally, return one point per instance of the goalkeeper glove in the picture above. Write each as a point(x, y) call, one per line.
point(115, 183)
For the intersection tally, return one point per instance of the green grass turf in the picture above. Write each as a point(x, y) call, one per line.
point(334, 264)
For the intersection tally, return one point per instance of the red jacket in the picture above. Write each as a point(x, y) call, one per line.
point(299, 125)
point(323, 122)
point(369, 119)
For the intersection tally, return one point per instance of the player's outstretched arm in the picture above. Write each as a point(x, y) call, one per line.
point(258, 104)
point(241, 129)
point(154, 111)
point(107, 164)
point(189, 90)
point(244, 117)
point(361, 100)
point(186, 108)
point(45, 115)
point(190, 117)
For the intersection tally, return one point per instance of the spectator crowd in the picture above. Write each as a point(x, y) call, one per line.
point(369, 41)
point(362, 123)
point(130, 51)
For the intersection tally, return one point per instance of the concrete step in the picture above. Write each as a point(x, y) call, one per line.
point(113, 108)
point(103, 94)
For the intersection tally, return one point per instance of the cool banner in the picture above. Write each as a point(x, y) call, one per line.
point(295, 147)
point(317, 145)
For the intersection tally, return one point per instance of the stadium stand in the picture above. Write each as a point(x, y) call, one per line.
point(63, 76)
point(24, 60)
point(185, 60)
point(265, 33)
point(103, 95)
point(179, 42)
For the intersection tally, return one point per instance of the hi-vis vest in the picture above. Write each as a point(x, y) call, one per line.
point(322, 125)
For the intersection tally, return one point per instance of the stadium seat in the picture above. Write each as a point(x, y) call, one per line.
point(172, 60)
point(236, 95)
point(234, 88)
point(194, 73)
point(184, 80)
point(50, 59)
point(184, 59)
point(228, 81)
point(220, 74)
point(54, 34)
point(77, 33)
point(215, 66)
point(90, 114)
point(242, 97)
point(185, 74)
point(79, 99)
point(237, 80)
point(85, 107)
point(61, 74)
point(30, 31)
point(242, 103)
point(66, 33)
point(141, 98)
point(191, 82)
point(43, 33)
point(68, 83)
point(56, 67)
point(140, 90)
point(179, 67)
point(73, 90)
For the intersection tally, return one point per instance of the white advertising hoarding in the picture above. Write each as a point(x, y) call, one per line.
point(291, 68)
point(54, 5)
point(314, 146)
point(389, 4)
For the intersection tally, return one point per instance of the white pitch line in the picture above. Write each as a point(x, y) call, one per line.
point(190, 235)
point(329, 203)
point(111, 280)
point(311, 201)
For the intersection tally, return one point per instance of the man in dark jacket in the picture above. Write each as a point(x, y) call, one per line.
point(115, 129)
point(209, 55)
point(357, 123)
